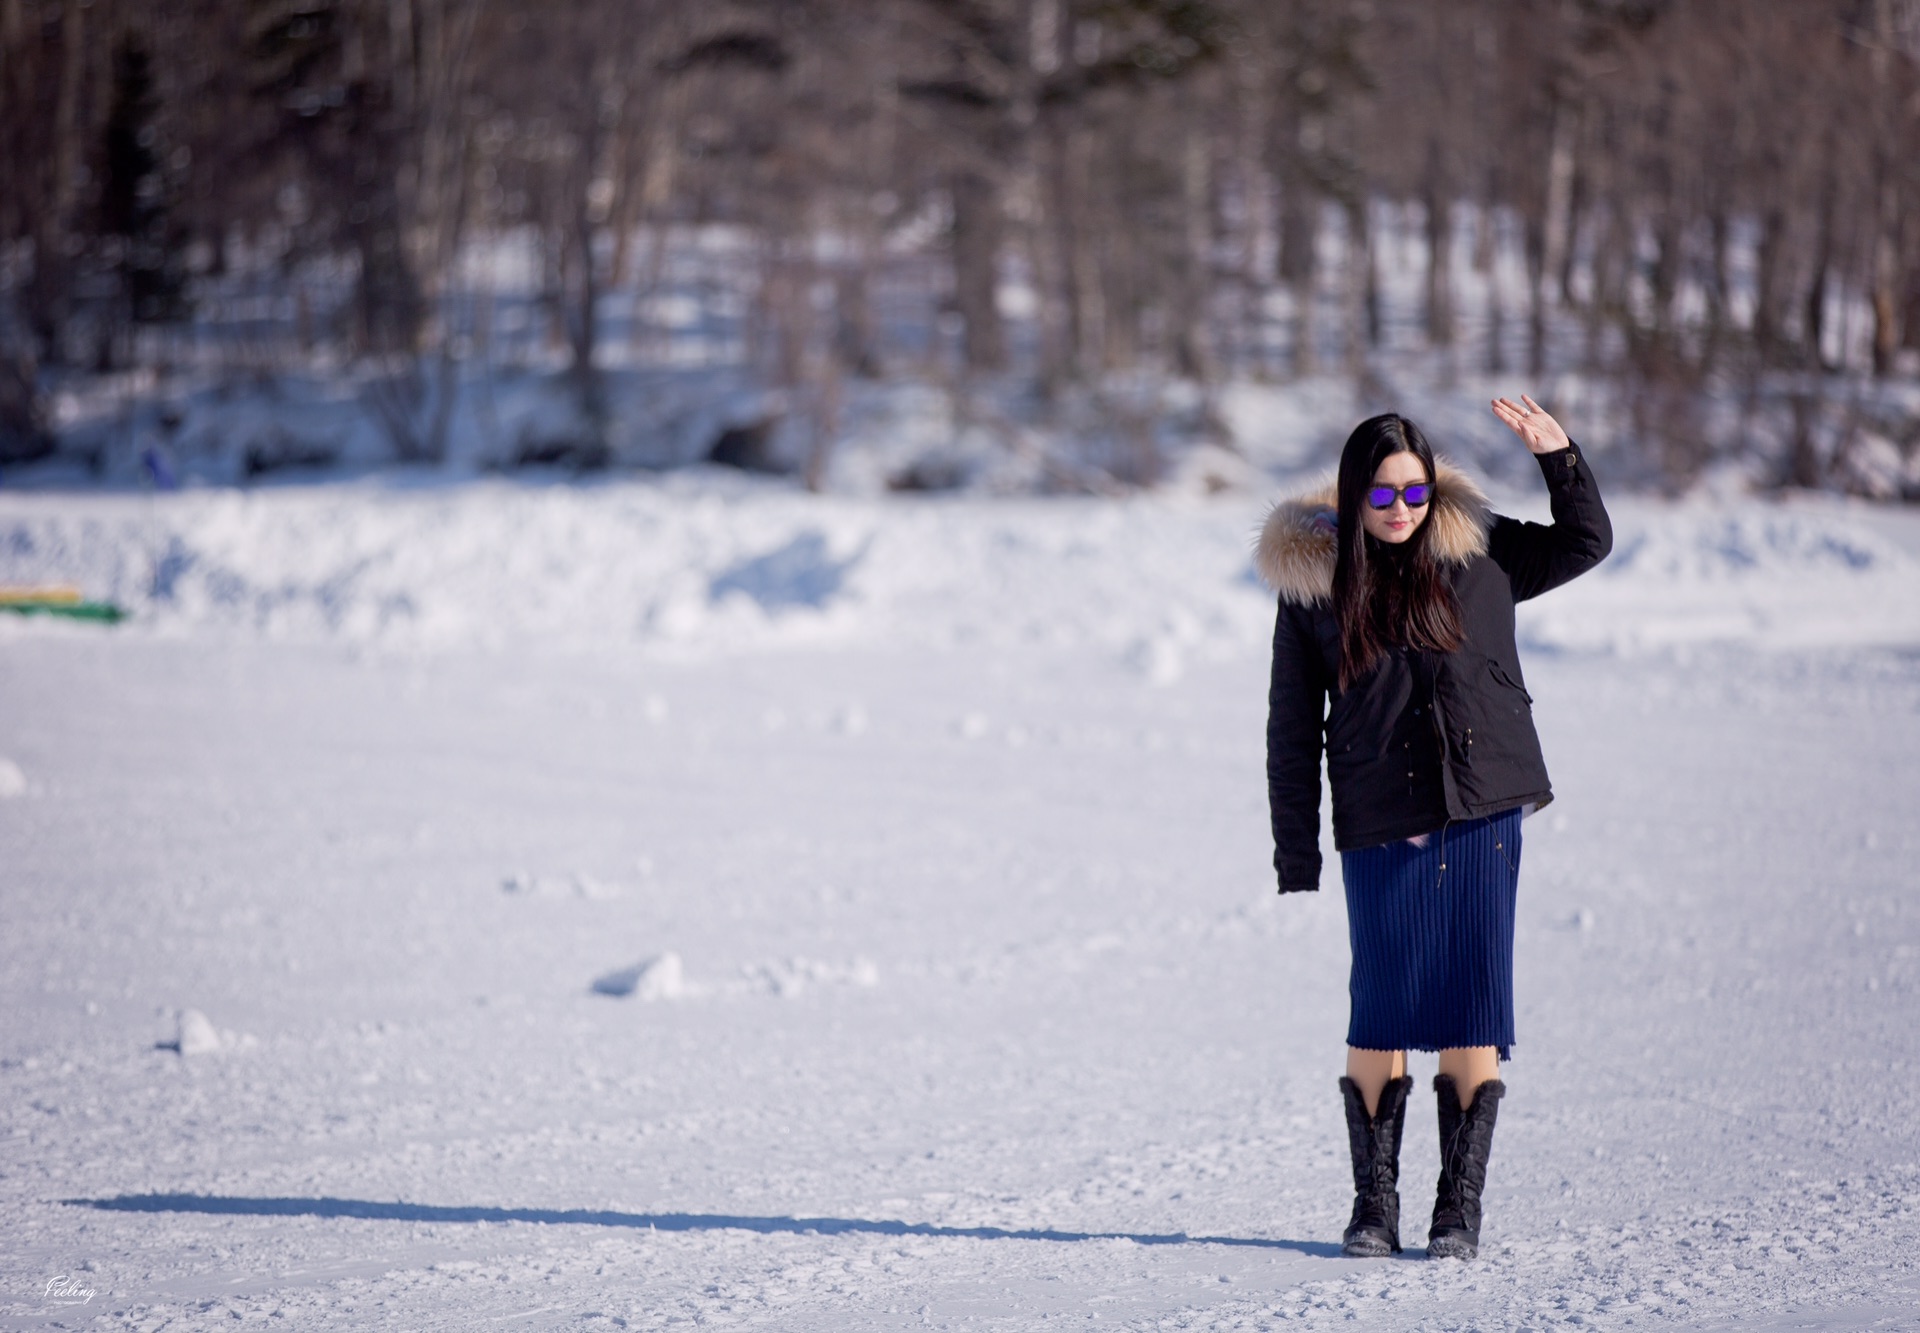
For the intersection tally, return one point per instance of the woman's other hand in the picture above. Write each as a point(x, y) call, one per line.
point(1538, 431)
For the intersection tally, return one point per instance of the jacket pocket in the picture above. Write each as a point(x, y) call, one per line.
point(1508, 683)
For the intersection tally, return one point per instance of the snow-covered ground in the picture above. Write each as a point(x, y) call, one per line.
point(927, 842)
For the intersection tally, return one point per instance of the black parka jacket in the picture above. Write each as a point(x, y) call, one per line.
point(1425, 737)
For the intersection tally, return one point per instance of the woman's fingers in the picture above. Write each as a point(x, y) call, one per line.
point(1512, 416)
point(1532, 423)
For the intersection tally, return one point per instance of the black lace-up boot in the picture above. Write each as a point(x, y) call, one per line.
point(1375, 1228)
point(1466, 1141)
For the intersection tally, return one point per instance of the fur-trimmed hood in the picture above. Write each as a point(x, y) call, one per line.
point(1297, 546)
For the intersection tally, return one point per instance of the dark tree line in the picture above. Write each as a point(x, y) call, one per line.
point(1206, 188)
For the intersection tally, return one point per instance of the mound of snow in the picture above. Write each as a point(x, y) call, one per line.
point(195, 1034)
point(1754, 572)
point(13, 779)
point(659, 978)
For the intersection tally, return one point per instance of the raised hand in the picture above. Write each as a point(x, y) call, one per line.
point(1538, 431)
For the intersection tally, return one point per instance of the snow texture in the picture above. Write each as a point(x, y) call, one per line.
point(941, 825)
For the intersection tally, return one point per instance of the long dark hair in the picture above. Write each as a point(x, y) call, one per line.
point(1387, 593)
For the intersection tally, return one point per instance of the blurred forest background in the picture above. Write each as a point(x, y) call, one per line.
point(594, 233)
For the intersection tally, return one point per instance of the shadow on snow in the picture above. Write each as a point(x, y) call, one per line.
point(826, 1226)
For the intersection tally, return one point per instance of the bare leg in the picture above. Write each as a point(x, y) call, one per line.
point(1468, 1067)
point(1373, 1070)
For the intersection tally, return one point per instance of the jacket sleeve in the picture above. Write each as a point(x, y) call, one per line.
point(1538, 557)
point(1295, 707)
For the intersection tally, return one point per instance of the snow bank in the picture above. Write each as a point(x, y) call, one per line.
point(698, 563)
point(1764, 574)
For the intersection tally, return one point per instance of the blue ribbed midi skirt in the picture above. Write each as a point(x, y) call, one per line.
point(1432, 935)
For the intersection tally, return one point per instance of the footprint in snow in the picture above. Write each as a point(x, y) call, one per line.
point(571, 884)
point(789, 977)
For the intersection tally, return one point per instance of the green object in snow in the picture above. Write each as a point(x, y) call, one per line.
point(105, 613)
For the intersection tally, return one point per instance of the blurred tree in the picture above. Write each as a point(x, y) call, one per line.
point(1086, 194)
point(135, 193)
point(332, 85)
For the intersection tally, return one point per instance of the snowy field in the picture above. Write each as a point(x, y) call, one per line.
point(927, 843)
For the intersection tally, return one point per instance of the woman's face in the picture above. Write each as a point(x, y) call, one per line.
point(1399, 522)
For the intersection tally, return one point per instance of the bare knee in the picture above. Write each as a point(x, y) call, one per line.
point(1469, 1067)
point(1371, 1071)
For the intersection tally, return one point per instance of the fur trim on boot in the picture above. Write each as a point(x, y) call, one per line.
point(1375, 1229)
point(1466, 1142)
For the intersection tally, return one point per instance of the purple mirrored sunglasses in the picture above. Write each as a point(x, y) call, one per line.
point(1416, 495)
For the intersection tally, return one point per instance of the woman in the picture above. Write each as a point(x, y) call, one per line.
point(1397, 587)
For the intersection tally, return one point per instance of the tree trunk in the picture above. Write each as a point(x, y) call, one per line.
point(580, 293)
point(1612, 261)
point(583, 324)
point(1814, 308)
point(1803, 464)
point(1770, 286)
point(1569, 247)
point(1299, 265)
point(1192, 356)
point(1362, 289)
point(1046, 252)
point(1486, 259)
point(856, 342)
point(1114, 251)
point(1556, 241)
point(977, 226)
point(49, 290)
point(1719, 286)
point(825, 423)
point(1259, 241)
point(1537, 232)
point(1910, 334)
point(1439, 227)
point(1086, 284)
point(1886, 281)
point(1887, 162)
point(1665, 280)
